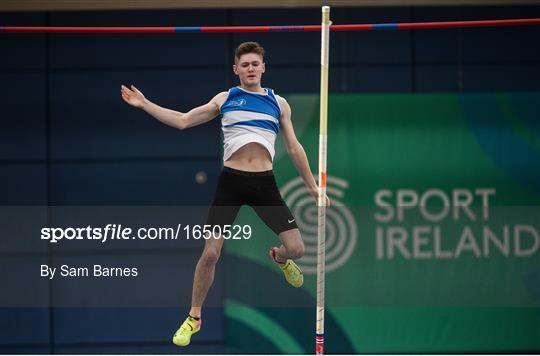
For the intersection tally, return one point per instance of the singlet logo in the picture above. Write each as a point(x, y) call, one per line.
point(240, 102)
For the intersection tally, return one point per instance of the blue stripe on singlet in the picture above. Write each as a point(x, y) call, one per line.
point(263, 124)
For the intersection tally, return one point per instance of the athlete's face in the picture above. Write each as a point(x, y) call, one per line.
point(249, 69)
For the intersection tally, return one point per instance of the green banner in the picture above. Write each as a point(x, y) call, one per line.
point(432, 238)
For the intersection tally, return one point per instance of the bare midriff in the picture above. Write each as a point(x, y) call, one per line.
point(251, 157)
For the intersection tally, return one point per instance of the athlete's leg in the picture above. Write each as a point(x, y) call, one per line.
point(204, 274)
point(225, 206)
point(202, 281)
point(203, 278)
point(222, 212)
point(269, 205)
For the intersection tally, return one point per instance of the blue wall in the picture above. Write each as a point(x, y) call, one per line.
point(67, 138)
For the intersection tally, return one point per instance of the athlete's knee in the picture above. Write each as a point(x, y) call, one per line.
point(292, 241)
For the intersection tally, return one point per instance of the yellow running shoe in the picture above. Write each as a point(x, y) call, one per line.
point(182, 336)
point(292, 272)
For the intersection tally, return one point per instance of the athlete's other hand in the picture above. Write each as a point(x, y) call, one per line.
point(132, 96)
point(315, 194)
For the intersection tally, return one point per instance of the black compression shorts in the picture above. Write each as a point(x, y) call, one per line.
point(256, 189)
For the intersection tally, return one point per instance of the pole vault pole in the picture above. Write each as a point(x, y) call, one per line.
point(321, 236)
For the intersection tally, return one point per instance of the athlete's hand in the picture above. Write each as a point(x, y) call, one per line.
point(315, 194)
point(132, 96)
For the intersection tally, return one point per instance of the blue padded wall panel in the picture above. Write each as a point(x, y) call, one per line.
point(437, 78)
point(23, 184)
point(445, 13)
point(378, 78)
point(91, 120)
point(436, 46)
point(25, 350)
point(499, 77)
point(22, 123)
point(24, 327)
point(375, 78)
point(138, 50)
point(20, 228)
point(479, 44)
point(22, 51)
point(465, 13)
point(490, 45)
point(368, 47)
point(373, 47)
point(304, 79)
point(22, 273)
point(131, 183)
point(294, 80)
point(359, 15)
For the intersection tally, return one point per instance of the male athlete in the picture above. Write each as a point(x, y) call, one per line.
point(251, 118)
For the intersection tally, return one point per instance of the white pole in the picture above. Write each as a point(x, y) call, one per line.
point(325, 39)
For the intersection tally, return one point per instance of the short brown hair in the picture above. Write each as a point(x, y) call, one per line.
point(248, 47)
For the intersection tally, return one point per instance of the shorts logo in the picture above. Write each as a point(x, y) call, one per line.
point(342, 231)
point(290, 221)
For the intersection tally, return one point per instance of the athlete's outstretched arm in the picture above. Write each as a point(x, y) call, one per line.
point(296, 151)
point(194, 117)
